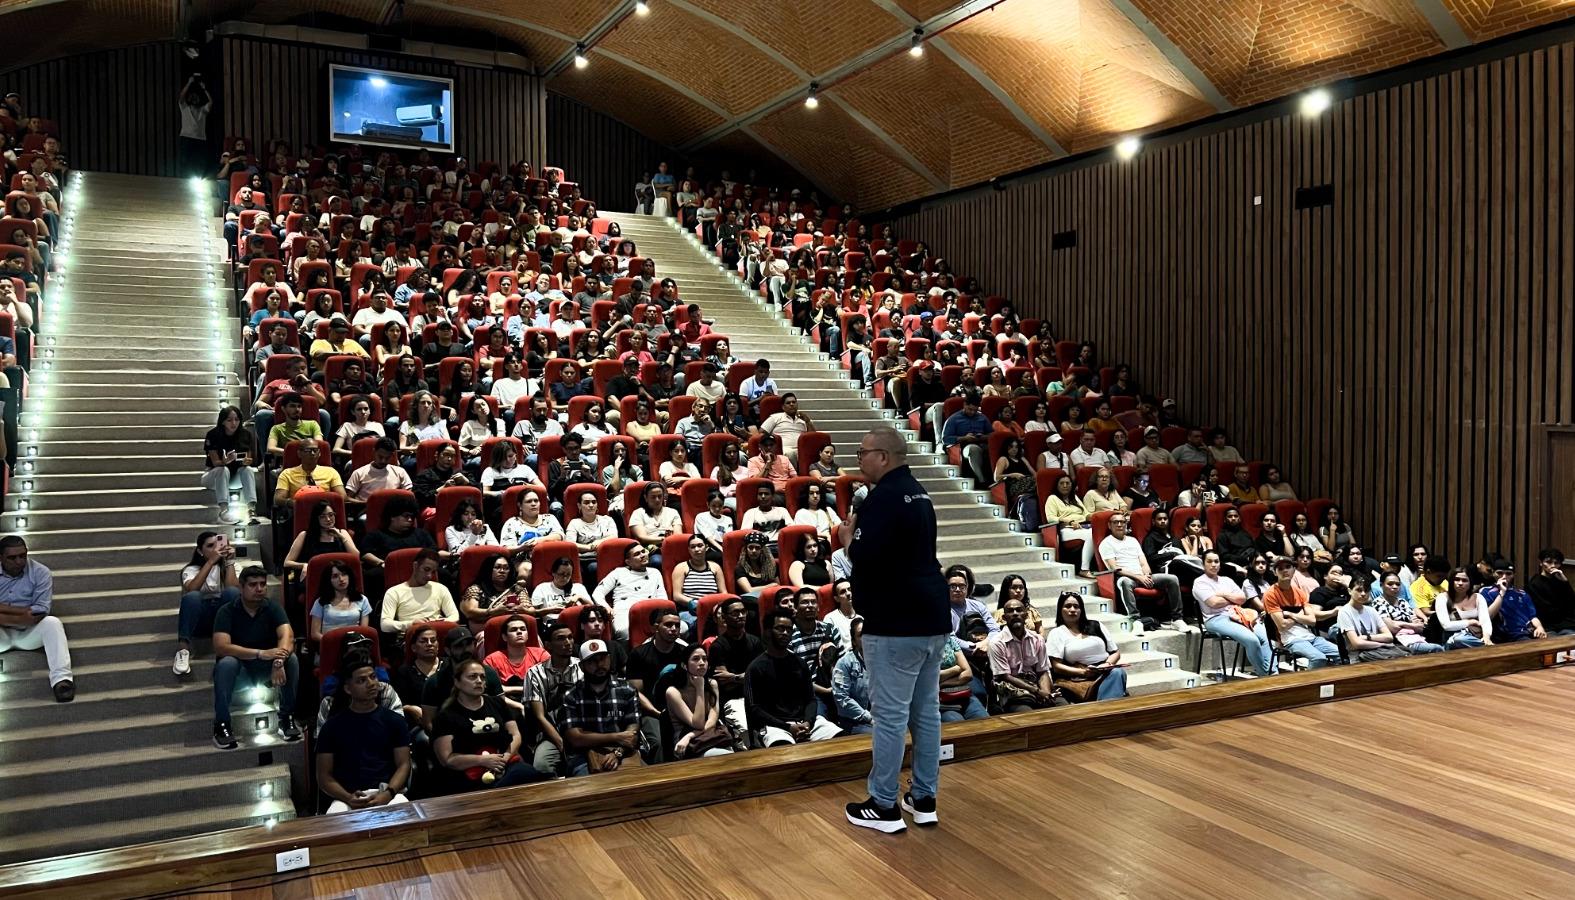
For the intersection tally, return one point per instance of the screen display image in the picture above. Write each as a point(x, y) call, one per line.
point(390, 109)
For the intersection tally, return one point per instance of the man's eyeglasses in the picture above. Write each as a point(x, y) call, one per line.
point(863, 450)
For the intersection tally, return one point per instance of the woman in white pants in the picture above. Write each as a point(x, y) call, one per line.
point(230, 465)
point(1067, 512)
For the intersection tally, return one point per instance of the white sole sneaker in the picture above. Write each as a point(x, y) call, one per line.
point(887, 826)
point(182, 662)
point(919, 818)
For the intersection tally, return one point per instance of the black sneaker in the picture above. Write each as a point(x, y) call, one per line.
point(222, 737)
point(870, 814)
point(922, 809)
point(289, 732)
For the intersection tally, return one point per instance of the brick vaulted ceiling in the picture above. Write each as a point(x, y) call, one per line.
point(1003, 84)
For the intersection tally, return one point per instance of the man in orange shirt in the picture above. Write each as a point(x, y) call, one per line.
point(1296, 616)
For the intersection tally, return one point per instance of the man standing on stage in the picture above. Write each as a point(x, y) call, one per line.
point(899, 592)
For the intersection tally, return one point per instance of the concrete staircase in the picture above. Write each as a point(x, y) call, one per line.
point(135, 359)
point(972, 530)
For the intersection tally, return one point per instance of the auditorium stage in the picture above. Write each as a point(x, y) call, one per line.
point(1458, 790)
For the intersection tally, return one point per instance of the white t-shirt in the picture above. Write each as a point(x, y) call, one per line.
point(1364, 623)
point(1125, 554)
point(548, 594)
point(213, 585)
point(518, 531)
point(713, 527)
point(665, 523)
point(1077, 650)
point(508, 390)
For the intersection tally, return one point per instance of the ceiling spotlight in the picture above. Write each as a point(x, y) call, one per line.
point(812, 101)
point(580, 59)
point(1316, 102)
point(1128, 147)
point(642, 8)
point(917, 50)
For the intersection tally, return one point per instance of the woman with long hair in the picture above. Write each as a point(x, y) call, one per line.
point(1071, 518)
point(480, 426)
point(476, 738)
point(811, 569)
point(358, 426)
point(467, 528)
point(695, 577)
point(1302, 536)
point(323, 534)
point(756, 566)
point(498, 589)
point(392, 346)
point(228, 453)
point(654, 521)
point(693, 704)
point(424, 423)
point(560, 591)
point(1015, 587)
point(817, 511)
point(1015, 473)
point(1462, 614)
point(1085, 662)
point(1334, 532)
point(208, 582)
point(726, 473)
point(338, 604)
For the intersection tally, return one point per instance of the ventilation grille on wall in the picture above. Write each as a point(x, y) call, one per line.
point(1063, 240)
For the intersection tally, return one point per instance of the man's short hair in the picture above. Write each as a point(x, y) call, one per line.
point(970, 397)
point(775, 614)
point(1551, 554)
point(426, 553)
point(1436, 564)
point(571, 438)
point(12, 541)
point(760, 363)
point(728, 604)
point(662, 612)
point(399, 506)
point(247, 574)
point(386, 443)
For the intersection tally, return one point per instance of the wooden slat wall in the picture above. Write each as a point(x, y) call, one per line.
point(279, 91)
point(601, 154)
point(1397, 351)
point(116, 108)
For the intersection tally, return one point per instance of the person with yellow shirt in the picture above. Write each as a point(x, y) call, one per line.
point(338, 343)
point(1434, 570)
point(306, 475)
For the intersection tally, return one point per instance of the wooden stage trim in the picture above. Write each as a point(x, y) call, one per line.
point(511, 814)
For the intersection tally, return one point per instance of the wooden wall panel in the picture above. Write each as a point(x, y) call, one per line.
point(116, 108)
point(601, 154)
point(1398, 350)
point(278, 91)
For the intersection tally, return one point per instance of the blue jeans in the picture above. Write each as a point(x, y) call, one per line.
point(1424, 647)
point(1254, 641)
point(973, 710)
point(197, 612)
point(905, 677)
point(1113, 686)
point(257, 672)
point(1464, 639)
point(1317, 651)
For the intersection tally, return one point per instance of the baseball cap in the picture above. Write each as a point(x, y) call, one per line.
point(756, 537)
point(1054, 438)
point(460, 635)
point(1150, 430)
point(593, 648)
point(1281, 562)
point(922, 364)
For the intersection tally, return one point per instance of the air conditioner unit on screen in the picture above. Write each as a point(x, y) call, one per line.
point(422, 114)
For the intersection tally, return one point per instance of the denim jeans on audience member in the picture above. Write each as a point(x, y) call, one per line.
point(257, 672)
point(1254, 640)
point(1317, 651)
point(1113, 686)
point(1424, 647)
point(904, 675)
point(972, 710)
point(197, 612)
point(220, 480)
point(1463, 639)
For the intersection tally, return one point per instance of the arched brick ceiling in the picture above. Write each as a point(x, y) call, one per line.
point(1004, 84)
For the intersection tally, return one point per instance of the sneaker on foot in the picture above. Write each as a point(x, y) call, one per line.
point(922, 809)
point(65, 691)
point(228, 516)
point(870, 814)
point(183, 662)
point(288, 730)
point(222, 737)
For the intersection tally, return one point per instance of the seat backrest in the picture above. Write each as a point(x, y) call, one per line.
point(640, 619)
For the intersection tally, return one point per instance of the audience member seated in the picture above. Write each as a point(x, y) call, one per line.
point(1512, 607)
point(1194, 451)
point(691, 700)
point(1084, 661)
point(1226, 613)
point(968, 429)
point(308, 474)
point(695, 577)
point(1551, 593)
point(788, 425)
point(779, 691)
point(514, 660)
point(1274, 487)
point(476, 737)
point(1124, 556)
point(1367, 637)
point(338, 604)
point(252, 644)
point(600, 716)
point(410, 680)
point(1295, 617)
point(363, 749)
point(26, 595)
point(545, 686)
point(230, 462)
point(420, 599)
point(444, 472)
point(850, 686)
point(207, 583)
point(768, 463)
point(319, 536)
point(1019, 665)
point(628, 584)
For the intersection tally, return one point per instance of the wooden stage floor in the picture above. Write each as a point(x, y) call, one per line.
point(1461, 790)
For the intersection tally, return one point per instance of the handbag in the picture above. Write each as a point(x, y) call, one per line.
point(1080, 690)
point(597, 759)
point(718, 735)
point(956, 696)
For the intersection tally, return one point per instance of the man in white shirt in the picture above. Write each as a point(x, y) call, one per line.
point(758, 386)
point(513, 385)
point(766, 517)
point(1123, 555)
point(1087, 454)
point(377, 311)
point(627, 585)
point(421, 599)
point(707, 388)
point(530, 431)
point(787, 425)
point(377, 475)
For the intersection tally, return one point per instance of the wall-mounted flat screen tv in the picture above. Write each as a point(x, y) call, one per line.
point(390, 109)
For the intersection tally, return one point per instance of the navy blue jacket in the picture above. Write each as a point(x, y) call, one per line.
point(897, 583)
